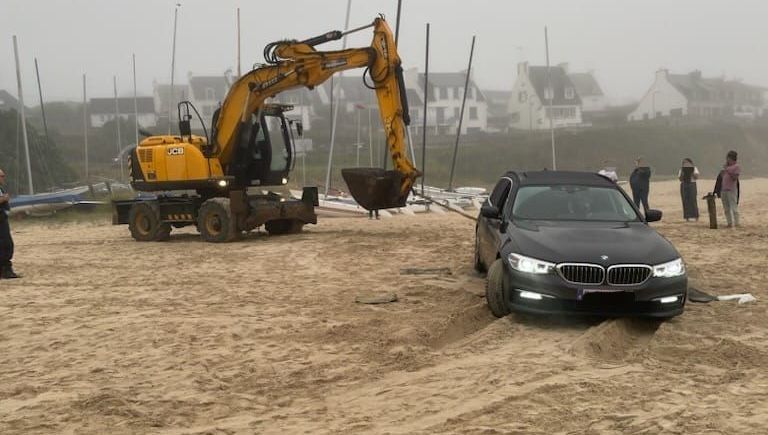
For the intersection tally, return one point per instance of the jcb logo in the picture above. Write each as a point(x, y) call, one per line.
point(176, 151)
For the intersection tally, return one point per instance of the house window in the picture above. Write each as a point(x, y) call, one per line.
point(549, 94)
point(473, 113)
point(450, 93)
point(569, 93)
point(522, 96)
point(456, 113)
point(436, 91)
point(210, 94)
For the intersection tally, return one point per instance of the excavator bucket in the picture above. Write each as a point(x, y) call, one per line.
point(375, 188)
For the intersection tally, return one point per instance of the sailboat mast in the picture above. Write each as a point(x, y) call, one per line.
point(23, 115)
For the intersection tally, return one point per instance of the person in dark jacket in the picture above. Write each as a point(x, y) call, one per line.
point(688, 174)
point(6, 241)
point(640, 183)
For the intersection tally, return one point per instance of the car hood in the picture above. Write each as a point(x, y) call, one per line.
point(590, 242)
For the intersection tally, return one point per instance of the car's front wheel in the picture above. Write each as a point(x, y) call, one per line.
point(478, 262)
point(494, 290)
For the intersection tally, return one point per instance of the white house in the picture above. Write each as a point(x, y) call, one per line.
point(206, 94)
point(161, 94)
point(102, 110)
point(529, 105)
point(677, 95)
point(589, 91)
point(445, 95)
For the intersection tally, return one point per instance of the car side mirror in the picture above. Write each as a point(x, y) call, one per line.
point(653, 215)
point(489, 211)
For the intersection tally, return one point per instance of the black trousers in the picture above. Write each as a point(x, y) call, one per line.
point(6, 242)
point(641, 196)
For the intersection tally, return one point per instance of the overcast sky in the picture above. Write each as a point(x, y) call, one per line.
point(622, 41)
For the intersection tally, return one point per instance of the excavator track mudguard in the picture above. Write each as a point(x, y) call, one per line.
point(375, 188)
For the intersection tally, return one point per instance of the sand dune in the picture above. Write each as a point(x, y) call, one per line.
point(106, 335)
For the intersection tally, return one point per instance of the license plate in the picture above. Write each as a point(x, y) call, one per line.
point(580, 293)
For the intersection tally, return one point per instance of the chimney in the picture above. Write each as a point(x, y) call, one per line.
point(662, 74)
point(564, 66)
point(522, 69)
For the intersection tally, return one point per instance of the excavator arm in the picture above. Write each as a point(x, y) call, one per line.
point(296, 64)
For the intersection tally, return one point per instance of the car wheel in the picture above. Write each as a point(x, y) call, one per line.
point(478, 262)
point(494, 290)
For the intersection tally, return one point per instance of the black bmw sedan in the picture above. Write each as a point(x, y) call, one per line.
point(573, 242)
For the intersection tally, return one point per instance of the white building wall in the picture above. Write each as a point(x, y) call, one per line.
point(660, 100)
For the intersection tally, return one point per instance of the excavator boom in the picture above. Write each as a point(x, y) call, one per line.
point(295, 64)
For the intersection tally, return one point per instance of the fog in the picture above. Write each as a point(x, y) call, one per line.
point(622, 42)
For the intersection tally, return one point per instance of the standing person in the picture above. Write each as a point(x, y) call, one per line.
point(688, 175)
point(730, 189)
point(6, 241)
point(640, 183)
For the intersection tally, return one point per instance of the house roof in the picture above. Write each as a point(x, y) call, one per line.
point(199, 84)
point(585, 84)
point(449, 80)
point(560, 81)
point(8, 101)
point(125, 105)
point(698, 88)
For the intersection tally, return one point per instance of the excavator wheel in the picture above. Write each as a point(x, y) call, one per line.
point(215, 221)
point(145, 224)
point(284, 226)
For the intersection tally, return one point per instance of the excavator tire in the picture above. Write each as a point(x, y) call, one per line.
point(494, 290)
point(284, 226)
point(145, 224)
point(215, 221)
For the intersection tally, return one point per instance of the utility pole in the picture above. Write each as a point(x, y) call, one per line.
point(23, 114)
point(238, 43)
point(461, 115)
point(551, 97)
point(173, 68)
point(85, 128)
point(135, 103)
point(117, 123)
point(424, 129)
point(42, 104)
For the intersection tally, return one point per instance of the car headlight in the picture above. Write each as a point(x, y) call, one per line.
point(521, 263)
point(670, 269)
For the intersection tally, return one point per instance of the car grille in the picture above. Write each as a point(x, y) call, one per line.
point(628, 275)
point(582, 273)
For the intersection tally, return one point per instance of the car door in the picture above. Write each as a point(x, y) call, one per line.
point(489, 229)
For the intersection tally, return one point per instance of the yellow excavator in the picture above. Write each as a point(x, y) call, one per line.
point(205, 180)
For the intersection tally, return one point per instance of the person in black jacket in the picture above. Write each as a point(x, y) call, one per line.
point(640, 183)
point(6, 241)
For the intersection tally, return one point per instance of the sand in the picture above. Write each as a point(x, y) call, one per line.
point(107, 335)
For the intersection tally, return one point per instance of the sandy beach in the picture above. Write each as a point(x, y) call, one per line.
point(107, 335)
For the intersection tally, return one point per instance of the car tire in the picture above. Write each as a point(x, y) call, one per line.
point(494, 290)
point(478, 262)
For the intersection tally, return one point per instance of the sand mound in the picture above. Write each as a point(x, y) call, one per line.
point(615, 339)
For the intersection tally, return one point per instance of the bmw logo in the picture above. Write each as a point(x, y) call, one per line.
point(604, 257)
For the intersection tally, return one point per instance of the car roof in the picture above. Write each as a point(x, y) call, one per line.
point(562, 177)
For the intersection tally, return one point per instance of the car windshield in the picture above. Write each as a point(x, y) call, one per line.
point(572, 203)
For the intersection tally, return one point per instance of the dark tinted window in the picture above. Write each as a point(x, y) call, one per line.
point(500, 193)
point(583, 203)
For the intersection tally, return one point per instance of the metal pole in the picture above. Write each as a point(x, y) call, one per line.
point(85, 128)
point(42, 105)
point(238, 42)
point(370, 135)
point(336, 108)
point(397, 24)
point(551, 97)
point(461, 115)
point(173, 68)
point(117, 123)
point(23, 115)
point(424, 129)
point(135, 102)
point(357, 144)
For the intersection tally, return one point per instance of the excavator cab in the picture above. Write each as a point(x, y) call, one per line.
point(265, 150)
